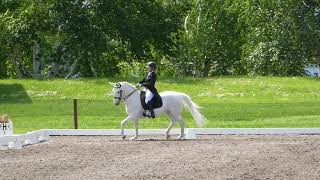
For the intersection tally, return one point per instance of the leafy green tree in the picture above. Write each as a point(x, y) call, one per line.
point(25, 23)
point(273, 37)
point(203, 38)
point(211, 38)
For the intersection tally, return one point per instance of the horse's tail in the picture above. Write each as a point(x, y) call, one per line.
point(194, 110)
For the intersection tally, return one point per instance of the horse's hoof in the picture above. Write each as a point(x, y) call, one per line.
point(124, 137)
point(167, 137)
point(180, 138)
point(133, 138)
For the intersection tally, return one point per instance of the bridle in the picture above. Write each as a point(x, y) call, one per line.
point(120, 98)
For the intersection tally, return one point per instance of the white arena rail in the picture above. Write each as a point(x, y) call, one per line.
point(18, 141)
point(188, 131)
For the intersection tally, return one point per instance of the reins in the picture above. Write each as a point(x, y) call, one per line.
point(125, 98)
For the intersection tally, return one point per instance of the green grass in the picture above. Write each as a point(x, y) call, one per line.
point(226, 102)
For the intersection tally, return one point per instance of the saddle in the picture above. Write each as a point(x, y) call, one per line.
point(156, 101)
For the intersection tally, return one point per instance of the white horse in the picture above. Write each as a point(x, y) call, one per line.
point(173, 103)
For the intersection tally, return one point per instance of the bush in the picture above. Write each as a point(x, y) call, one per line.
point(167, 68)
point(134, 69)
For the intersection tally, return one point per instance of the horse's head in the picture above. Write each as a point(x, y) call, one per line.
point(121, 91)
point(117, 93)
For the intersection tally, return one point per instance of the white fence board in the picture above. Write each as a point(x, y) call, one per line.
point(18, 141)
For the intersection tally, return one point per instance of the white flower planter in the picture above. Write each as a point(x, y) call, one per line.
point(6, 129)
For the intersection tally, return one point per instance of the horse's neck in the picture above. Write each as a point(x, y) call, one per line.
point(133, 98)
point(133, 103)
point(128, 89)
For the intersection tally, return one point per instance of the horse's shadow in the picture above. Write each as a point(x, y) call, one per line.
point(158, 140)
point(172, 139)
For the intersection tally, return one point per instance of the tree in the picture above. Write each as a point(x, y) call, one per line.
point(274, 40)
point(200, 37)
point(211, 38)
point(24, 25)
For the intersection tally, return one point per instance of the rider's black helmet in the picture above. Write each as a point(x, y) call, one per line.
point(152, 64)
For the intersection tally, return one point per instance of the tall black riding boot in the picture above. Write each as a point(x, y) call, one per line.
point(150, 108)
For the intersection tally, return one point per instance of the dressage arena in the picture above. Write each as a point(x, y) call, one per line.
point(152, 157)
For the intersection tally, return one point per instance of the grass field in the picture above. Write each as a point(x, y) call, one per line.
point(226, 102)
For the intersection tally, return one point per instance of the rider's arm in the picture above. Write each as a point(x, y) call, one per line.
point(150, 82)
point(143, 80)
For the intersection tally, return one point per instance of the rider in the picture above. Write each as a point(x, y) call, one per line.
point(149, 82)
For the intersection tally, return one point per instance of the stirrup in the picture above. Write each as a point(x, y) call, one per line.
point(152, 115)
point(144, 114)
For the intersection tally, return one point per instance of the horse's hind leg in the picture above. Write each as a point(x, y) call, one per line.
point(181, 122)
point(170, 126)
point(168, 130)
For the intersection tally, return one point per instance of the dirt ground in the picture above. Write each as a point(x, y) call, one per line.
point(209, 157)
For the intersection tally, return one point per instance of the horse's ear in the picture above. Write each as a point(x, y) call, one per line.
point(111, 83)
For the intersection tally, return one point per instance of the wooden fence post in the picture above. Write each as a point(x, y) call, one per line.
point(75, 113)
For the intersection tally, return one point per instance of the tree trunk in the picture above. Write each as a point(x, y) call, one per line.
point(54, 70)
point(317, 55)
point(71, 69)
point(36, 60)
point(206, 68)
point(16, 63)
point(3, 68)
point(16, 68)
point(64, 63)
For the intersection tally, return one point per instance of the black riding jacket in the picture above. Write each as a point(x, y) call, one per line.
point(149, 82)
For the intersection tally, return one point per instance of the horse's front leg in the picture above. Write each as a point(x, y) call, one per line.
point(123, 123)
point(135, 121)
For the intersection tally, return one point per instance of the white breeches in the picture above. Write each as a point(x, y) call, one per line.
point(149, 96)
